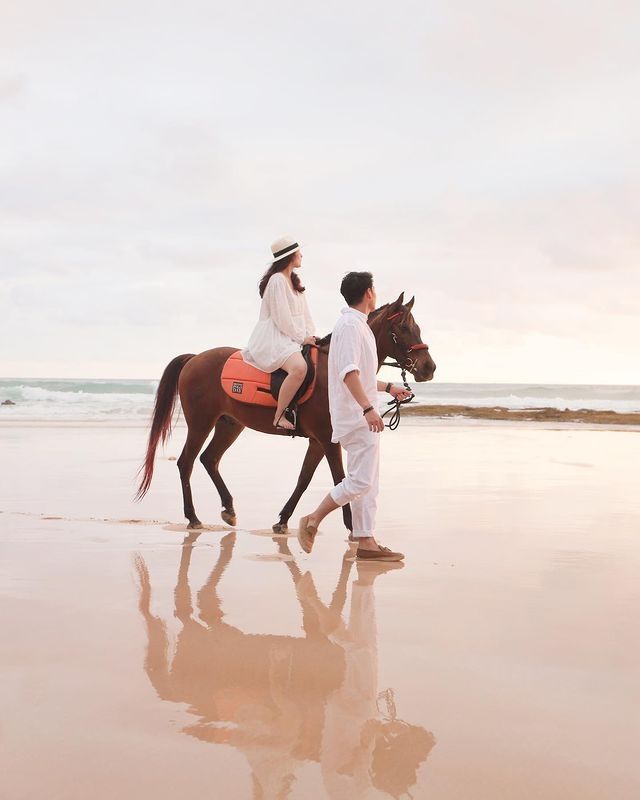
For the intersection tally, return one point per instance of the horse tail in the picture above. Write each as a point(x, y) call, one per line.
point(162, 416)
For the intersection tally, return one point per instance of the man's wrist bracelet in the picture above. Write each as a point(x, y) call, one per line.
point(367, 410)
point(387, 388)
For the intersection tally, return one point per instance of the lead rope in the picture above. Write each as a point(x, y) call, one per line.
point(394, 419)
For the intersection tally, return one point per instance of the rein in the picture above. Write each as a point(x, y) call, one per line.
point(394, 420)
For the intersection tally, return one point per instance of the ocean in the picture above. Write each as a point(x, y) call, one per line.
point(131, 400)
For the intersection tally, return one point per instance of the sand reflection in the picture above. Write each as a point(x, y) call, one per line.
point(282, 700)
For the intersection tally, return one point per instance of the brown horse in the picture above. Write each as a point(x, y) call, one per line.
point(206, 406)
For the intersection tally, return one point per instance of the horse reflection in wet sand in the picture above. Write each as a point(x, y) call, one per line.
point(286, 699)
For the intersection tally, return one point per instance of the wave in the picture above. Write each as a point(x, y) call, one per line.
point(623, 399)
point(40, 395)
point(66, 387)
point(84, 400)
point(526, 402)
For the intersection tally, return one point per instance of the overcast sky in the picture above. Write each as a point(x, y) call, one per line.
point(482, 156)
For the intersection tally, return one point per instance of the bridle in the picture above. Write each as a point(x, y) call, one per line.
point(408, 364)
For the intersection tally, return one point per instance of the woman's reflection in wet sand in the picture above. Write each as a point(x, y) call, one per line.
point(285, 699)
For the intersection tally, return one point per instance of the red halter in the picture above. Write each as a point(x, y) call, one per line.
point(394, 420)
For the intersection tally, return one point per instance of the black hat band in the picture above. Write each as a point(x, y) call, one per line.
point(286, 250)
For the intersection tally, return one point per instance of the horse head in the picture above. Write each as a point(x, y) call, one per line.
point(398, 336)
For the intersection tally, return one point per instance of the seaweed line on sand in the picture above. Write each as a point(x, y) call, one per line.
point(546, 414)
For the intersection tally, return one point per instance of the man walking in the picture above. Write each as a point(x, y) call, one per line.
point(353, 364)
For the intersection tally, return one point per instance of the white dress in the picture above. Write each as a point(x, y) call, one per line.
point(284, 323)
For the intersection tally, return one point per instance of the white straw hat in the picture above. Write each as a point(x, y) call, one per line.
point(283, 247)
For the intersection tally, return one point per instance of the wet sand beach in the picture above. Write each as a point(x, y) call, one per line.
point(501, 661)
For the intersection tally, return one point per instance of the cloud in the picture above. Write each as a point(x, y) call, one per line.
point(483, 159)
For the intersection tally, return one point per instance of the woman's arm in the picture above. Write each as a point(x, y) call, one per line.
point(279, 310)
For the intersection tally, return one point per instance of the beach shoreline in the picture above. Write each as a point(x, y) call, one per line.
point(411, 415)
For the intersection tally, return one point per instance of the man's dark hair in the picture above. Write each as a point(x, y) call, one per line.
point(354, 285)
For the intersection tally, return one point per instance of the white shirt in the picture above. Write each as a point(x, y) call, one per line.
point(353, 347)
point(284, 323)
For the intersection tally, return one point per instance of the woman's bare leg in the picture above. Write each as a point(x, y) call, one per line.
point(296, 368)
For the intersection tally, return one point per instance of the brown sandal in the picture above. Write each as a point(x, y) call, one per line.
point(287, 414)
point(280, 427)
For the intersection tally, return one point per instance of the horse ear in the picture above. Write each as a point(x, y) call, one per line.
point(409, 305)
point(399, 301)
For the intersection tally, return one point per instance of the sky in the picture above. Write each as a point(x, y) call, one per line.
point(482, 157)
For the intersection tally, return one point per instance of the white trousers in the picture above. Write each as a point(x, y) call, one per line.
point(360, 487)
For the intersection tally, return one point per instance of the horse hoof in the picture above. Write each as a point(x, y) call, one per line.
point(280, 527)
point(194, 526)
point(229, 517)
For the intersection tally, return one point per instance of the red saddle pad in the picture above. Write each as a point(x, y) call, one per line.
point(250, 385)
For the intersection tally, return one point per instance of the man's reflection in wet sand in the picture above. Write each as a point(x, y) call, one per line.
point(285, 699)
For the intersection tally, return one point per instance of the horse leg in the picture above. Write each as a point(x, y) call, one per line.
point(195, 440)
point(225, 433)
point(333, 452)
point(313, 457)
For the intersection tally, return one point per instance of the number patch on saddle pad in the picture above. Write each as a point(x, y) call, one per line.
point(237, 388)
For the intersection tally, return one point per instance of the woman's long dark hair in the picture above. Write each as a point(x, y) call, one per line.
point(279, 266)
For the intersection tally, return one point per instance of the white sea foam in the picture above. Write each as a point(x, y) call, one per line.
point(513, 396)
point(526, 401)
point(77, 400)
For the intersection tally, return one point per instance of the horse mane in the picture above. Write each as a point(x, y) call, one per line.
point(325, 341)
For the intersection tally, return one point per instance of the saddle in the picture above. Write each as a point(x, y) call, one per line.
point(247, 384)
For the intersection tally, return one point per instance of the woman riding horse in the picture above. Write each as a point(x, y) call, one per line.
point(285, 325)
